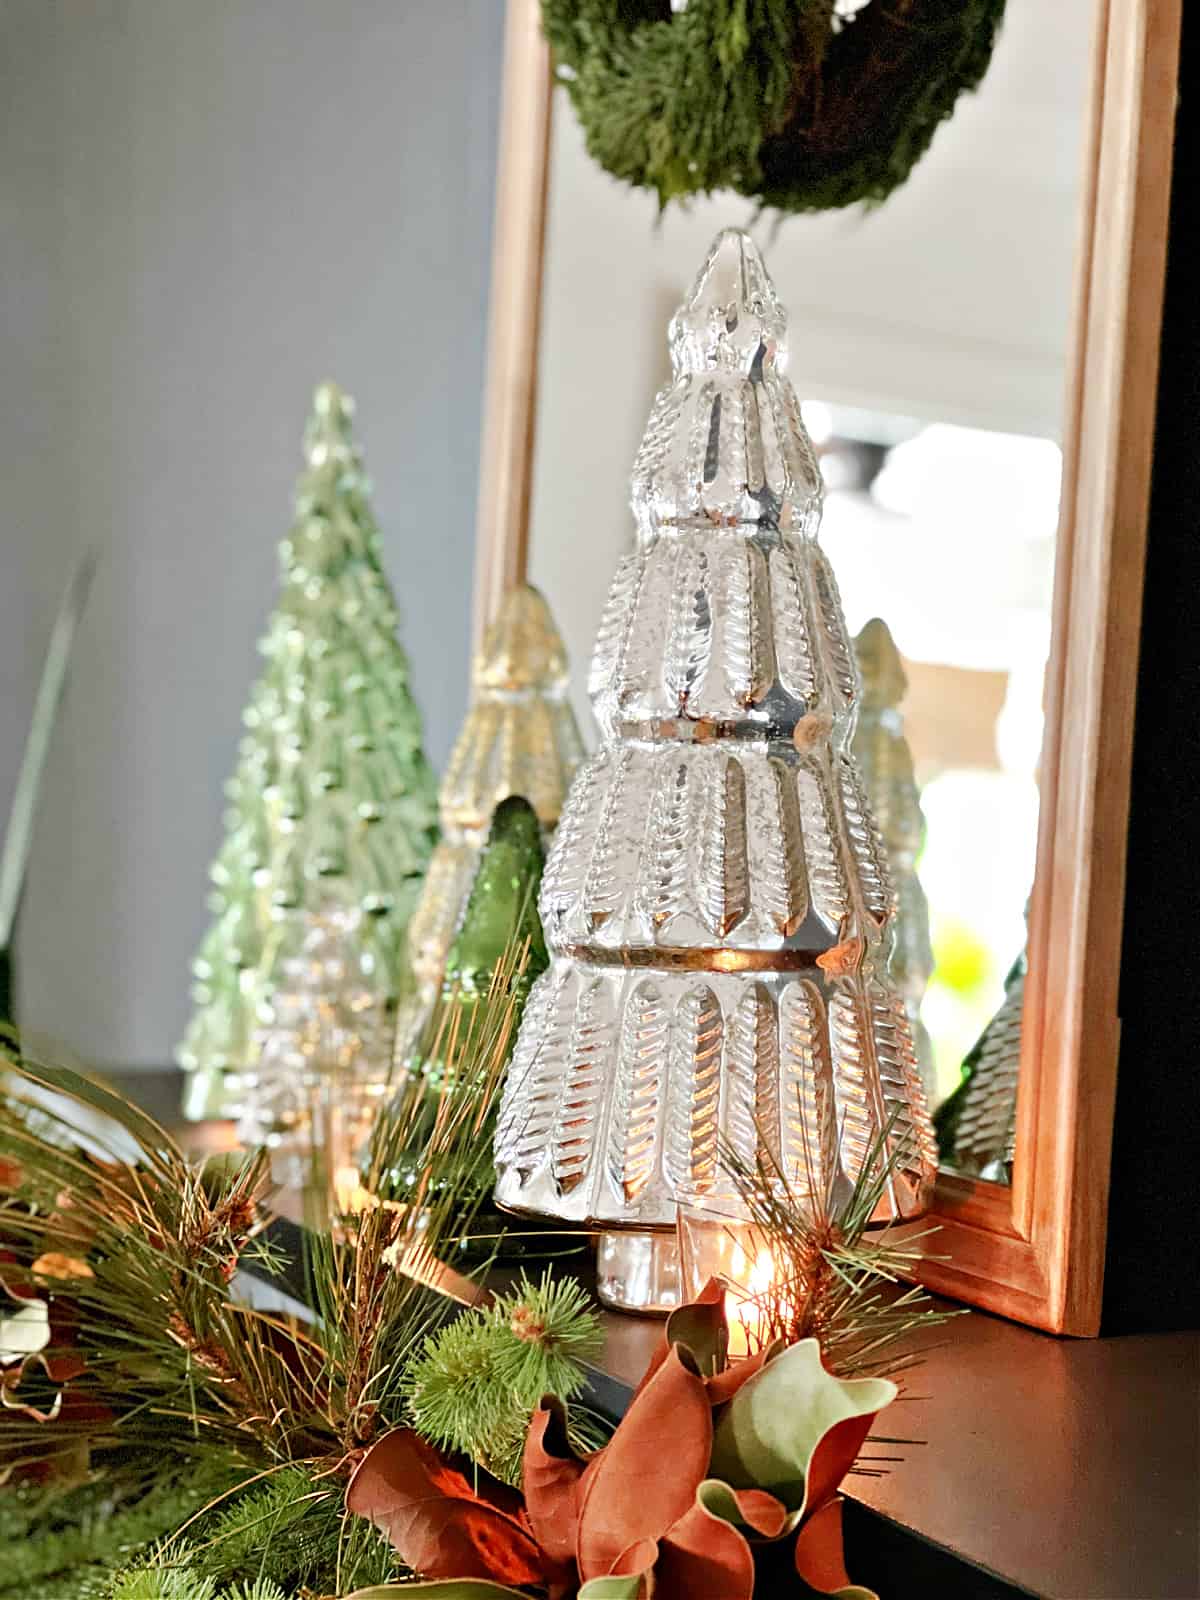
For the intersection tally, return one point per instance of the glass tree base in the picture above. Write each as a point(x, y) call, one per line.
point(639, 1272)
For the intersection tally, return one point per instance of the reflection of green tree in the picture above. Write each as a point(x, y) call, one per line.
point(961, 997)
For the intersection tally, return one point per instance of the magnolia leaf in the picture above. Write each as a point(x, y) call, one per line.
point(550, 1474)
point(795, 1430)
point(24, 1332)
point(442, 1589)
point(645, 1478)
point(726, 1384)
point(819, 1559)
point(755, 1509)
point(702, 1327)
point(610, 1588)
point(705, 1554)
point(434, 1518)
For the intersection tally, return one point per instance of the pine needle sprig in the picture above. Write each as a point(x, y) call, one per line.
point(833, 1278)
point(372, 1274)
point(544, 1333)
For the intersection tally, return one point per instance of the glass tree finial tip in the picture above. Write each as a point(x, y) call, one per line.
point(328, 429)
point(731, 316)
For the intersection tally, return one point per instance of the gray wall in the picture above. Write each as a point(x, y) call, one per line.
point(206, 206)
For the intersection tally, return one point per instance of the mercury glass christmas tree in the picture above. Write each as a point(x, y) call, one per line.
point(886, 764)
point(717, 902)
point(519, 738)
point(333, 804)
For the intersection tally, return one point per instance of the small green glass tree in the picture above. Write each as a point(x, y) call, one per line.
point(501, 911)
point(333, 804)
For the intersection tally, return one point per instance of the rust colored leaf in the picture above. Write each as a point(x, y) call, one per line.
point(646, 1477)
point(550, 1477)
point(434, 1519)
point(819, 1557)
point(700, 1326)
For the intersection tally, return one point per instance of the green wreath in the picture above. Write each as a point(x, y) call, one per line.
point(780, 100)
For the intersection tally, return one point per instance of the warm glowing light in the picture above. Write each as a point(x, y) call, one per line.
point(744, 1293)
point(726, 1247)
point(349, 1196)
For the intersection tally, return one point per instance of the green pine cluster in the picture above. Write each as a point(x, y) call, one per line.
point(476, 1382)
point(333, 803)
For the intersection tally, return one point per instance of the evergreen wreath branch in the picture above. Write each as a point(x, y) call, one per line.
point(791, 103)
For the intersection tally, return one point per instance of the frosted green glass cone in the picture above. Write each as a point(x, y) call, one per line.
point(332, 807)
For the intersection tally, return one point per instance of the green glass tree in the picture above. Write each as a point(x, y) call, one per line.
point(501, 909)
point(333, 805)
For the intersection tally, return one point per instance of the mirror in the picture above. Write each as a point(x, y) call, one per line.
point(967, 370)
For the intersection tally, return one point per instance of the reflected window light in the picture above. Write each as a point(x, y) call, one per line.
point(818, 420)
point(996, 485)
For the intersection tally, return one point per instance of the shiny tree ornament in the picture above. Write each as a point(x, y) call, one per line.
point(333, 803)
point(320, 1065)
point(977, 1124)
point(717, 902)
point(885, 761)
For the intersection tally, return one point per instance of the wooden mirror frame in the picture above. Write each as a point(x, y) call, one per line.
point(1034, 1252)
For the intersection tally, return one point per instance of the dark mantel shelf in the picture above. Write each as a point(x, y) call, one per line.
point(1068, 1469)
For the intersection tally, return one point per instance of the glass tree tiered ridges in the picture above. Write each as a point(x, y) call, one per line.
point(717, 899)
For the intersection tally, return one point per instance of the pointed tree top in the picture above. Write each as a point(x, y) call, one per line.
point(502, 905)
point(731, 316)
point(328, 432)
point(522, 648)
point(883, 678)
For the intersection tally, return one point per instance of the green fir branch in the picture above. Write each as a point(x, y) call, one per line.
point(475, 1383)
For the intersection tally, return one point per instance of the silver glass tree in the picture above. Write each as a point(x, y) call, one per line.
point(717, 901)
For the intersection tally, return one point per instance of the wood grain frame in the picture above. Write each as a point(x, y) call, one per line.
point(1036, 1252)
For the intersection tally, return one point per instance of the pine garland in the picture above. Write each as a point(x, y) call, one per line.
point(286, 1533)
point(783, 101)
point(68, 1542)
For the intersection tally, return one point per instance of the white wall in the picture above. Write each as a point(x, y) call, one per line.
point(206, 207)
point(950, 302)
